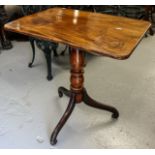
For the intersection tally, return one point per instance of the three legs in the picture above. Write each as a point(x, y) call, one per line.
point(87, 100)
point(77, 92)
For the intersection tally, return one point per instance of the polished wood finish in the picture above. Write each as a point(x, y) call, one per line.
point(77, 78)
point(77, 93)
point(102, 34)
point(64, 118)
point(96, 33)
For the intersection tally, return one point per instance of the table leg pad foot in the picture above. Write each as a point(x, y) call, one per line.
point(30, 65)
point(115, 115)
point(62, 90)
point(53, 141)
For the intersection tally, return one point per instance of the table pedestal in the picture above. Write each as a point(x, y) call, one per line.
point(77, 92)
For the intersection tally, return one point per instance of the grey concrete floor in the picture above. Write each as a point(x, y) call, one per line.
point(30, 107)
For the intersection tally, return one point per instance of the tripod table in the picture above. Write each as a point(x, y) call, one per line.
point(101, 34)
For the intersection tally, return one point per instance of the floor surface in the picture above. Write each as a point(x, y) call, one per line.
point(30, 107)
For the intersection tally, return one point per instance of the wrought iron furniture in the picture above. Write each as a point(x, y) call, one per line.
point(143, 12)
point(149, 10)
point(101, 34)
point(6, 44)
point(138, 12)
point(46, 46)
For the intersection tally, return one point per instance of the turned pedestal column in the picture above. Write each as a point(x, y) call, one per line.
point(77, 92)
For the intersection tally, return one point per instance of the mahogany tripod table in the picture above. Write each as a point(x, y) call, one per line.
point(95, 33)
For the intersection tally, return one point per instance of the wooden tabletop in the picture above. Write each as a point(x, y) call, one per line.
point(103, 34)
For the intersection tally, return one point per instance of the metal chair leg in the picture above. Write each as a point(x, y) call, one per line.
point(63, 52)
point(33, 51)
point(6, 44)
point(47, 53)
point(55, 52)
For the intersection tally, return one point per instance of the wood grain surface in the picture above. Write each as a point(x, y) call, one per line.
point(102, 34)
